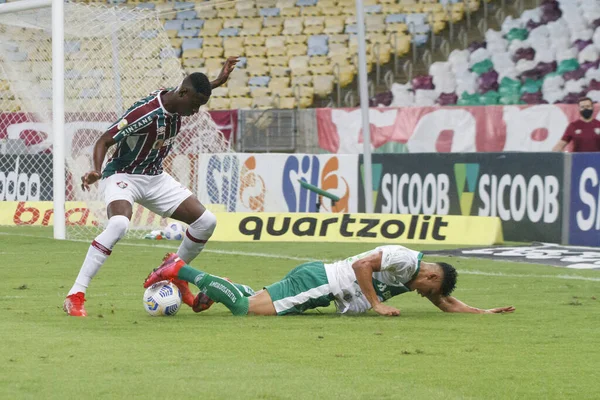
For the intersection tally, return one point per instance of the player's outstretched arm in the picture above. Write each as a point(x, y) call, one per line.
point(225, 72)
point(100, 148)
point(363, 270)
point(452, 304)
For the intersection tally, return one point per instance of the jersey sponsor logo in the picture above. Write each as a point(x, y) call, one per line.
point(577, 131)
point(597, 131)
point(122, 124)
point(122, 185)
point(140, 123)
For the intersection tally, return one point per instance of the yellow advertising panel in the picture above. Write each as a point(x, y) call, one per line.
point(375, 228)
point(293, 227)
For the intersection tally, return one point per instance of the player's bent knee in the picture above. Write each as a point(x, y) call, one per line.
point(118, 225)
point(207, 222)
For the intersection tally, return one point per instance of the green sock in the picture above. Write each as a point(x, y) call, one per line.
point(218, 289)
point(245, 289)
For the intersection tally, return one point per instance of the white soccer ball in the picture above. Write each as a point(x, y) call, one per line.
point(162, 298)
point(174, 231)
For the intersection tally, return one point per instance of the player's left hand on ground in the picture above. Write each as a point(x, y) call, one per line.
point(227, 69)
point(500, 310)
point(383, 309)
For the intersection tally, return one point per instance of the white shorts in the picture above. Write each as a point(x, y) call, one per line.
point(161, 194)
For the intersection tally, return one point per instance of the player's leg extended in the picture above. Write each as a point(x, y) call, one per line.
point(220, 290)
point(119, 214)
point(202, 224)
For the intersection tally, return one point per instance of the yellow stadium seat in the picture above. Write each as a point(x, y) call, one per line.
point(302, 80)
point(238, 77)
point(400, 28)
point(258, 71)
point(263, 103)
point(214, 63)
point(271, 31)
point(323, 85)
point(276, 51)
point(325, 4)
point(244, 5)
point(226, 13)
point(171, 33)
point(254, 41)
point(296, 39)
point(279, 83)
point(241, 103)
point(393, 8)
point(273, 21)
point(256, 62)
point(260, 92)
point(286, 102)
point(344, 74)
point(384, 2)
point(437, 17)
point(375, 23)
point(401, 44)
point(341, 59)
point(275, 41)
point(192, 53)
point(252, 23)
point(378, 38)
point(285, 4)
point(266, 3)
point(220, 92)
point(278, 61)
point(333, 11)
point(336, 49)
point(433, 8)
point(254, 31)
point(233, 42)
point(311, 11)
point(211, 27)
point(212, 52)
point(381, 52)
point(255, 51)
point(313, 30)
point(321, 69)
point(334, 25)
point(290, 12)
point(339, 38)
point(247, 13)
point(238, 91)
point(219, 103)
point(413, 8)
point(279, 71)
point(212, 42)
point(224, 5)
point(233, 23)
point(205, 12)
point(292, 26)
point(234, 52)
point(318, 60)
point(299, 66)
point(296, 49)
point(176, 42)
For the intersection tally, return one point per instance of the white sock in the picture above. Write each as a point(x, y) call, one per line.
point(99, 251)
point(196, 236)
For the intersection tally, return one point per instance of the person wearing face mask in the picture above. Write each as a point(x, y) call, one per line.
point(584, 133)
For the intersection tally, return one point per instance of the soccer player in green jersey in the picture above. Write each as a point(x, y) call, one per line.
point(356, 285)
point(143, 137)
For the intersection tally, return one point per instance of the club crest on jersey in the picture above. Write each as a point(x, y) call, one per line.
point(122, 185)
point(122, 124)
point(577, 131)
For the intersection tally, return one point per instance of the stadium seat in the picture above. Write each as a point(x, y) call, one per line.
point(233, 23)
point(262, 102)
point(212, 27)
point(292, 26)
point(240, 103)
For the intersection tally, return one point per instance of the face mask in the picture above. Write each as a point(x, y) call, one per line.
point(587, 113)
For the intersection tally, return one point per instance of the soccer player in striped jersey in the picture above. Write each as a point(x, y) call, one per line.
point(355, 285)
point(144, 136)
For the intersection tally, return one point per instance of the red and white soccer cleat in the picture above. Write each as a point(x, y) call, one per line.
point(186, 295)
point(202, 303)
point(166, 272)
point(73, 305)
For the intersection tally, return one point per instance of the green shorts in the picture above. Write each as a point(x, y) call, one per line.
point(303, 288)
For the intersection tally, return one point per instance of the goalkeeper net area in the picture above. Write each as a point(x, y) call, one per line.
point(113, 57)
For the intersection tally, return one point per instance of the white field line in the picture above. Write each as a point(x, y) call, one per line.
point(286, 257)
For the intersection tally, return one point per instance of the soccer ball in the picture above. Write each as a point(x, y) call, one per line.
point(162, 298)
point(174, 231)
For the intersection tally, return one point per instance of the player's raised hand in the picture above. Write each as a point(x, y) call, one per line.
point(89, 178)
point(227, 69)
point(383, 309)
point(500, 310)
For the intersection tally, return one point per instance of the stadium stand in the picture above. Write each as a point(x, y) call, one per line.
point(307, 43)
point(550, 54)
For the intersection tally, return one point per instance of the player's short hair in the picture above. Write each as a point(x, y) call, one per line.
point(200, 83)
point(582, 99)
point(449, 281)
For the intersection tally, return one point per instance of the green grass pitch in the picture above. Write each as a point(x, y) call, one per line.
point(548, 349)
